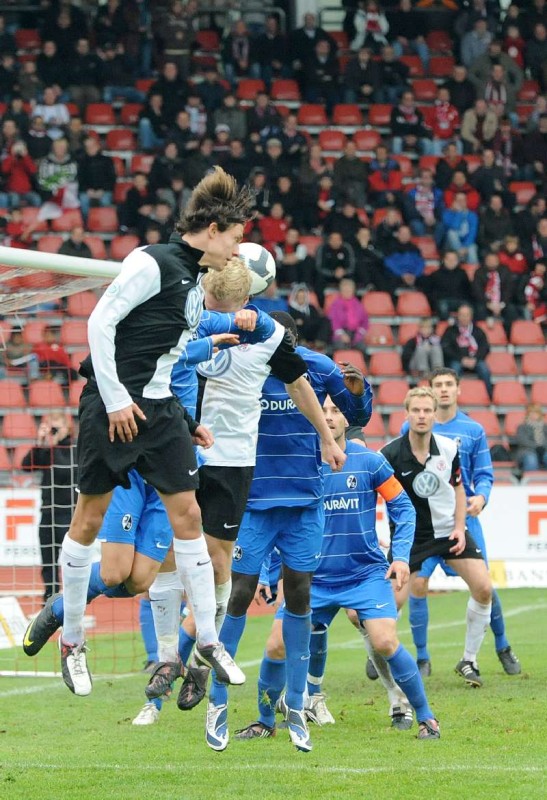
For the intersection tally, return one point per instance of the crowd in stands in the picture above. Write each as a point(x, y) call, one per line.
point(432, 184)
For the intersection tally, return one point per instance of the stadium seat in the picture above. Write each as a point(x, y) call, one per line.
point(74, 393)
point(494, 333)
point(386, 365)
point(77, 357)
point(18, 455)
point(332, 140)
point(353, 357)
point(347, 114)
point(330, 297)
point(428, 162)
point(395, 423)
point(527, 333)
point(49, 244)
point(5, 460)
point(425, 89)
point(439, 41)
point(509, 394)
point(46, 394)
point(427, 247)
point(141, 162)
point(120, 191)
point(391, 393)
point(375, 426)
point(74, 333)
point(11, 394)
point(96, 245)
point(121, 140)
point(379, 114)
point(341, 39)
point(129, 113)
point(207, 40)
point(414, 64)
point(413, 304)
point(99, 114)
point(366, 140)
point(406, 331)
point(489, 421)
point(119, 166)
point(512, 420)
point(311, 243)
point(528, 91)
point(33, 331)
point(70, 218)
point(378, 304)
point(248, 88)
point(473, 393)
point(19, 425)
point(121, 246)
point(81, 304)
point(523, 191)
point(502, 363)
point(30, 217)
point(405, 165)
point(534, 363)
point(28, 39)
point(312, 114)
point(36, 280)
point(539, 393)
point(285, 89)
point(441, 66)
point(144, 84)
point(379, 335)
point(103, 219)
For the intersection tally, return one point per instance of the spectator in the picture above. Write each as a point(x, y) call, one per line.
point(76, 136)
point(273, 161)
point(165, 167)
point(182, 135)
point(444, 121)
point(325, 201)
point(159, 218)
point(118, 74)
point(16, 112)
point(408, 27)
point(492, 289)
point(273, 226)
point(508, 149)
point(7, 40)
point(314, 330)
point(538, 13)
point(479, 126)
point(198, 164)
point(460, 184)
point(461, 227)
point(465, 347)
point(96, 177)
point(408, 128)
point(475, 42)
point(334, 260)
point(58, 182)
point(110, 23)
point(321, 78)
point(54, 114)
point(516, 17)
point(294, 265)
point(8, 76)
point(19, 170)
point(15, 230)
point(75, 245)
point(361, 78)
point(350, 176)
point(448, 165)
point(53, 358)
point(531, 440)
point(512, 256)
point(302, 43)
point(480, 70)
point(348, 319)
point(347, 221)
point(423, 208)
point(495, 224)
point(385, 180)
point(173, 90)
point(263, 120)
point(211, 91)
point(65, 26)
point(526, 220)
point(312, 167)
point(386, 231)
point(55, 458)
point(404, 261)
point(262, 192)
point(514, 45)
point(138, 202)
point(500, 96)
point(295, 144)
point(448, 287)
point(393, 77)
point(152, 127)
point(535, 153)
point(51, 67)
point(197, 114)
point(478, 9)
point(37, 140)
point(422, 353)
point(461, 90)
point(237, 163)
point(177, 35)
point(272, 53)
point(367, 26)
point(237, 54)
point(535, 293)
point(489, 179)
point(30, 85)
point(230, 114)
point(85, 75)
point(537, 248)
point(10, 135)
point(286, 192)
point(369, 262)
point(536, 55)
point(18, 357)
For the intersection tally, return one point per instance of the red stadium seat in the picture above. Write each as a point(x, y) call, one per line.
point(347, 114)
point(526, 333)
point(386, 365)
point(341, 39)
point(405, 165)
point(427, 247)
point(425, 89)
point(509, 393)
point(18, 455)
point(413, 304)
point(46, 394)
point(81, 304)
point(367, 140)
point(406, 331)
point(120, 191)
point(391, 393)
point(74, 333)
point(379, 114)
point(529, 91)
point(103, 219)
point(330, 297)
point(523, 191)
point(49, 244)
point(5, 460)
point(428, 162)
point(332, 140)
point(207, 40)
point(121, 140)
point(414, 64)
point(439, 41)
point(494, 333)
point(248, 88)
point(311, 114)
point(396, 420)
point(129, 113)
point(33, 331)
point(96, 245)
point(502, 363)
point(99, 114)
point(119, 166)
point(375, 426)
point(473, 393)
point(19, 425)
point(11, 394)
point(539, 393)
point(30, 215)
point(285, 89)
point(70, 218)
point(512, 420)
point(489, 421)
point(141, 162)
point(378, 304)
point(353, 357)
point(77, 357)
point(121, 246)
point(534, 363)
point(379, 335)
point(74, 393)
point(311, 243)
point(144, 84)
point(441, 66)
point(28, 39)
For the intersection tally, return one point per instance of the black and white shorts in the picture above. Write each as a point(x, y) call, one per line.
point(222, 497)
point(421, 551)
point(162, 452)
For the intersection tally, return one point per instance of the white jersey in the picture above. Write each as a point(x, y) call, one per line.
point(230, 389)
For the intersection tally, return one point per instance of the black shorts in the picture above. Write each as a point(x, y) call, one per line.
point(222, 497)
point(162, 452)
point(441, 548)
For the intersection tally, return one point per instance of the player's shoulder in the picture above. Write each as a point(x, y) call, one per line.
point(317, 362)
point(392, 447)
point(446, 445)
point(470, 425)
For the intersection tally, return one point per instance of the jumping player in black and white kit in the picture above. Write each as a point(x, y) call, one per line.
point(129, 417)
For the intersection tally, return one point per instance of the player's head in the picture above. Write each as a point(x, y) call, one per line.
point(214, 217)
point(445, 384)
point(420, 405)
point(228, 290)
point(335, 420)
point(288, 323)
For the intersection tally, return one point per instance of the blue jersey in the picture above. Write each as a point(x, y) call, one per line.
point(350, 546)
point(475, 461)
point(288, 468)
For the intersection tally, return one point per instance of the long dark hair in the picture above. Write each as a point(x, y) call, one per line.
point(216, 198)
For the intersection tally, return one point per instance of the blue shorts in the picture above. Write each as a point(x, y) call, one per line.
point(296, 532)
point(137, 517)
point(474, 527)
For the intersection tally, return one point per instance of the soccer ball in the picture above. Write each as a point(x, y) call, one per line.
point(261, 263)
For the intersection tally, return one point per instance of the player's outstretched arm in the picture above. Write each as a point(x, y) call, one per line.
point(350, 391)
point(307, 403)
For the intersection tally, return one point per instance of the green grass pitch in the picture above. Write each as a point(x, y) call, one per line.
point(54, 746)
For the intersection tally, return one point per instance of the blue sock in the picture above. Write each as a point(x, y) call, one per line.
point(271, 681)
point(318, 659)
point(407, 676)
point(497, 623)
point(148, 632)
point(186, 643)
point(156, 701)
point(230, 635)
point(96, 587)
point(418, 615)
point(296, 635)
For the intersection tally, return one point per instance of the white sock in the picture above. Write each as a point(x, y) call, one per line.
point(76, 562)
point(195, 572)
point(395, 694)
point(165, 598)
point(222, 595)
point(478, 620)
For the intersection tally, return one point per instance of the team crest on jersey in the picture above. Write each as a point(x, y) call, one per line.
point(351, 482)
point(243, 346)
point(425, 484)
point(441, 465)
point(238, 552)
point(217, 365)
point(127, 522)
point(194, 307)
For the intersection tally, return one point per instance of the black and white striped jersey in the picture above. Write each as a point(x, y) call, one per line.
point(430, 486)
point(142, 322)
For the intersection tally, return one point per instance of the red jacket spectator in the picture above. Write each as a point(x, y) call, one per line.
point(19, 169)
point(274, 227)
point(514, 45)
point(443, 117)
point(512, 257)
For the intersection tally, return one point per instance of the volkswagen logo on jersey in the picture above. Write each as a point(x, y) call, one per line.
point(194, 307)
point(217, 365)
point(425, 484)
point(351, 482)
point(127, 522)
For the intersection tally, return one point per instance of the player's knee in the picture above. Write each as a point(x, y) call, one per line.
point(113, 574)
point(385, 643)
point(186, 519)
point(420, 587)
point(243, 590)
point(275, 647)
point(89, 521)
point(482, 592)
point(296, 589)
